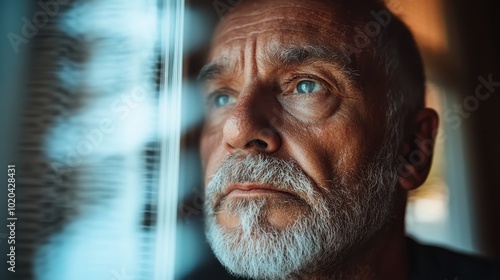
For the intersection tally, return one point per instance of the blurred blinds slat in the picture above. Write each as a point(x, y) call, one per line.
point(170, 106)
point(93, 158)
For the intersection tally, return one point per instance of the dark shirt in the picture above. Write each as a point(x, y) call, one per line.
point(433, 263)
point(426, 263)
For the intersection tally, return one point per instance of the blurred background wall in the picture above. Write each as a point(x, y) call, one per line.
point(459, 41)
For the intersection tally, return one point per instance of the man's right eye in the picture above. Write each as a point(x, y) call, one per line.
point(221, 100)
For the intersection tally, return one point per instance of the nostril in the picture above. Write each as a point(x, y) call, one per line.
point(257, 143)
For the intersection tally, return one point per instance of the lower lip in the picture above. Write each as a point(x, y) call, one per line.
point(255, 192)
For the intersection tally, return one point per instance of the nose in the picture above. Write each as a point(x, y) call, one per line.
point(248, 128)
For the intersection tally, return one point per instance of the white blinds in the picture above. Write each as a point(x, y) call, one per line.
point(98, 172)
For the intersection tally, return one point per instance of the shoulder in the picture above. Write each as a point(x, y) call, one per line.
point(431, 262)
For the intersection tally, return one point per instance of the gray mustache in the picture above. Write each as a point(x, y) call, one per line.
point(258, 169)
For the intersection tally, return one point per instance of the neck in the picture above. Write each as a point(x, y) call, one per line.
point(383, 257)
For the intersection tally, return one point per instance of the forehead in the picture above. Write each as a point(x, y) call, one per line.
point(277, 24)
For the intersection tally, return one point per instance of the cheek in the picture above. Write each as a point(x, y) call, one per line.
point(210, 136)
point(349, 151)
point(212, 152)
point(353, 137)
point(329, 151)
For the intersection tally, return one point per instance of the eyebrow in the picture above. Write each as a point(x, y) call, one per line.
point(290, 57)
point(211, 71)
point(296, 56)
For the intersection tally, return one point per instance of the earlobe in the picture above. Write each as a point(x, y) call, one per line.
point(416, 152)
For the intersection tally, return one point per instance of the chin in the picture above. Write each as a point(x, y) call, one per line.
point(254, 238)
point(270, 211)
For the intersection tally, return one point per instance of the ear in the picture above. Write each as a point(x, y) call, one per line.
point(416, 151)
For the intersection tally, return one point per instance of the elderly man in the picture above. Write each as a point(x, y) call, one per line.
point(315, 132)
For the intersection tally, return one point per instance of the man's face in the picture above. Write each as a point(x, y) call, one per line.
point(292, 140)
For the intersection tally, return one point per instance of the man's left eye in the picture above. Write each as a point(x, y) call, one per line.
point(307, 86)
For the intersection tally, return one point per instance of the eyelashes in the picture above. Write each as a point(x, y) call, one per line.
point(298, 84)
point(219, 98)
point(307, 86)
point(304, 84)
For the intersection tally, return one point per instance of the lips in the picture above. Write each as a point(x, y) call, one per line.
point(252, 190)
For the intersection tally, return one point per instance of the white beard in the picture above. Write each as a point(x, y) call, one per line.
point(320, 237)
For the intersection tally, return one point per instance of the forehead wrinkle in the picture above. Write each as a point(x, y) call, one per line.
point(270, 14)
point(285, 17)
point(250, 57)
point(281, 24)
